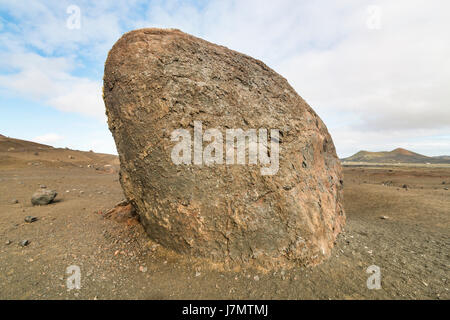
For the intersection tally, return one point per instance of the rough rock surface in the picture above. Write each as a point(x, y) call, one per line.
point(43, 197)
point(157, 81)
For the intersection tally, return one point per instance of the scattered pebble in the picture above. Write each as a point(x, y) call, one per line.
point(142, 269)
point(198, 274)
point(24, 243)
point(8, 242)
point(14, 201)
point(256, 278)
point(30, 219)
point(384, 217)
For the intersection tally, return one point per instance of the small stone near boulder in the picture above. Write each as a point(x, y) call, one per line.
point(43, 197)
point(123, 212)
point(30, 219)
point(14, 201)
point(24, 243)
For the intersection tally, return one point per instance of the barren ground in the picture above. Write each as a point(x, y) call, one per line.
point(118, 261)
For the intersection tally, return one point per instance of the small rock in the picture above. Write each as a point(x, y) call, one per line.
point(198, 274)
point(14, 201)
point(445, 188)
point(384, 217)
point(405, 186)
point(24, 243)
point(42, 186)
point(43, 197)
point(30, 219)
point(256, 278)
point(142, 269)
point(8, 242)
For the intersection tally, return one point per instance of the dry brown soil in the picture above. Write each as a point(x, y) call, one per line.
point(118, 261)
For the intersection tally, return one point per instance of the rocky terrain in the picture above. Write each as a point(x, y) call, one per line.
point(398, 218)
point(16, 153)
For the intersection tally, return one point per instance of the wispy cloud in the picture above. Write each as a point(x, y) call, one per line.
point(48, 138)
point(373, 87)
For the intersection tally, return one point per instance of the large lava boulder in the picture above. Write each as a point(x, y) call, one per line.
point(172, 101)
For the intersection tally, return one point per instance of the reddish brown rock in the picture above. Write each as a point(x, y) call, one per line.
point(157, 81)
point(123, 212)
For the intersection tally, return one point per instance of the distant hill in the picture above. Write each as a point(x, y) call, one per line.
point(398, 155)
point(442, 157)
point(15, 153)
point(11, 144)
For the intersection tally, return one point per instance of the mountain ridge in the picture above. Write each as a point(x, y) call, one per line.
point(398, 155)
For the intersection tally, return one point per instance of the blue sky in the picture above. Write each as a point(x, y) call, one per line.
point(377, 72)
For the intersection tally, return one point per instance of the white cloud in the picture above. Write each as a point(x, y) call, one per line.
point(388, 85)
point(373, 88)
point(49, 80)
point(48, 138)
